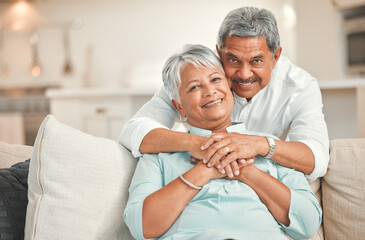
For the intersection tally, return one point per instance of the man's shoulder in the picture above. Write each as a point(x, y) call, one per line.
point(290, 76)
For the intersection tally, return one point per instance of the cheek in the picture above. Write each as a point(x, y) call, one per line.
point(229, 71)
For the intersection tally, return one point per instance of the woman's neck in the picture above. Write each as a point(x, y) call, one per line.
point(222, 127)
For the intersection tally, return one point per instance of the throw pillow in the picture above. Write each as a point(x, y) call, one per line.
point(13, 200)
point(78, 185)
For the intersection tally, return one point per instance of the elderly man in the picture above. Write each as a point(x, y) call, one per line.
point(271, 95)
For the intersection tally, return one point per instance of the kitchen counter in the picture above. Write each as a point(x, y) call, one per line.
point(342, 84)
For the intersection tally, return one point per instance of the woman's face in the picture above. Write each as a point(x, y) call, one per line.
point(205, 97)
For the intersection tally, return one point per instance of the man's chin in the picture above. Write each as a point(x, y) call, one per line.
point(245, 94)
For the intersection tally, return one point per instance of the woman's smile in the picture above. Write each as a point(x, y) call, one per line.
point(213, 103)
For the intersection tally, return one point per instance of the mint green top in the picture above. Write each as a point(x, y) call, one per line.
point(223, 208)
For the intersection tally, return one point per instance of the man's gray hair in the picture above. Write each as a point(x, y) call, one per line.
point(250, 22)
point(197, 55)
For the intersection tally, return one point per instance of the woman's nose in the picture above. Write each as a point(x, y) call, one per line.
point(210, 90)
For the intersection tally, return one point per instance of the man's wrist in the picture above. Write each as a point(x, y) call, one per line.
point(265, 149)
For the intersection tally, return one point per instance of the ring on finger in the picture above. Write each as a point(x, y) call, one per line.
point(227, 148)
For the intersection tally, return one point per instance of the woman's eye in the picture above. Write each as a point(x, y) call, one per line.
point(194, 87)
point(215, 79)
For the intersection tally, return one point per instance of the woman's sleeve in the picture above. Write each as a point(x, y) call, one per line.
point(305, 213)
point(147, 179)
point(156, 113)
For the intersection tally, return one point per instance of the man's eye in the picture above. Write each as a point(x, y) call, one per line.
point(257, 61)
point(232, 60)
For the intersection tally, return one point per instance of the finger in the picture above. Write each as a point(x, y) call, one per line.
point(194, 160)
point(229, 172)
point(219, 149)
point(235, 168)
point(219, 168)
point(232, 157)
point(211, 140)
point(241, 162)
point(250, 161)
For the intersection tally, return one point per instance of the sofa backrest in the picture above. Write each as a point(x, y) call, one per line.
point(12, 153)
point(343, 190)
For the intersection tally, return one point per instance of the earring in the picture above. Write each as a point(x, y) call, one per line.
point(183, 119)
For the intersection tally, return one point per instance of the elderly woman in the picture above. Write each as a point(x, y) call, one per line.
point(171, 198)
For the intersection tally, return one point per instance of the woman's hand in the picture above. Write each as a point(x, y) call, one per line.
point(224, 148)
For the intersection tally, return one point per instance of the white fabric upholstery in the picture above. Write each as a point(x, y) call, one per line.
point(78, 185)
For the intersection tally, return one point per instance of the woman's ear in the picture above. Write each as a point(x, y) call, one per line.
point(178, 107)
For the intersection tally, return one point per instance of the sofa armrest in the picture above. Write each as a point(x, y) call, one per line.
point(13, 153)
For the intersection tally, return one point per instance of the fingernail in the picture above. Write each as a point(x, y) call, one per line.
point(230, 175)
point(250, 161)
point(209, 165)
point(205, 161)
point(202, 148)
point(219, 166)
point(222, 171)
point(236, 173)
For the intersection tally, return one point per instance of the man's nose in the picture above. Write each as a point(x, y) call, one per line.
point(245, 72)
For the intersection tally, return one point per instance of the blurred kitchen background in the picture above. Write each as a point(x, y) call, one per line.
point(94, 63)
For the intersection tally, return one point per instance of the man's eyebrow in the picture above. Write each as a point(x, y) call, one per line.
point(258, 57)
point(229, 54)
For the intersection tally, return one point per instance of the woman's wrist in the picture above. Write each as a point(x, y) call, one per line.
point(247, 172)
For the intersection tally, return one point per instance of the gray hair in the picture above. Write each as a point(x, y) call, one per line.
point(197, 55)
point(250, 22)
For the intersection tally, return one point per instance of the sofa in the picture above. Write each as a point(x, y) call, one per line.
point(77, 187)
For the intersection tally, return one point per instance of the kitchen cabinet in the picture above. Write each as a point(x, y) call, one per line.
point(345, 4)
point(100, 112)
point(344, 107)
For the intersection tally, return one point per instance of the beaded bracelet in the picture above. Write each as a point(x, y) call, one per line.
point(189, 183)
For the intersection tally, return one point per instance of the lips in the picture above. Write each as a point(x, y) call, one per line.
point(212, 103)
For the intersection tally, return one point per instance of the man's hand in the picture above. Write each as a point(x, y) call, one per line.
point(195, 149)
point(222, 149)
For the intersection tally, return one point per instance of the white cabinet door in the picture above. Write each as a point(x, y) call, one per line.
point(106, 117)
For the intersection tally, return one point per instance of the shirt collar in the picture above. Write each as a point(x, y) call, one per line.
point(236, 127)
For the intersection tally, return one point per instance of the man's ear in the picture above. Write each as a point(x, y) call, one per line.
point(219, 52)
point(178, 107)
point(277, 54)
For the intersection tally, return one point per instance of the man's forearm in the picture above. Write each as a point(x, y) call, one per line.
point(295, 155)
point(164, 140)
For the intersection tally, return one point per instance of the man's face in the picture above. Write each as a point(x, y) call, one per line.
point(248, 63)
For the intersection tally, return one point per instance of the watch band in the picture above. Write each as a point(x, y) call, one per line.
point(272, 145)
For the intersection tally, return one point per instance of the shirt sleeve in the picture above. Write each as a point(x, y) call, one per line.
point(156, 113)
point(142, 186)
point(305, 213)
point(309, 126)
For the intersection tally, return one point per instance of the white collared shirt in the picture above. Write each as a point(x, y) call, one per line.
point(289, 107)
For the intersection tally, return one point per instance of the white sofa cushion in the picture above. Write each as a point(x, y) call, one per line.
point(78, 185)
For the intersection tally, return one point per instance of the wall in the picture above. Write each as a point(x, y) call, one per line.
point(319, 39)
point(121, 43)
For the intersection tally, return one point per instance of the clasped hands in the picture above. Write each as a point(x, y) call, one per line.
point(228, 152)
